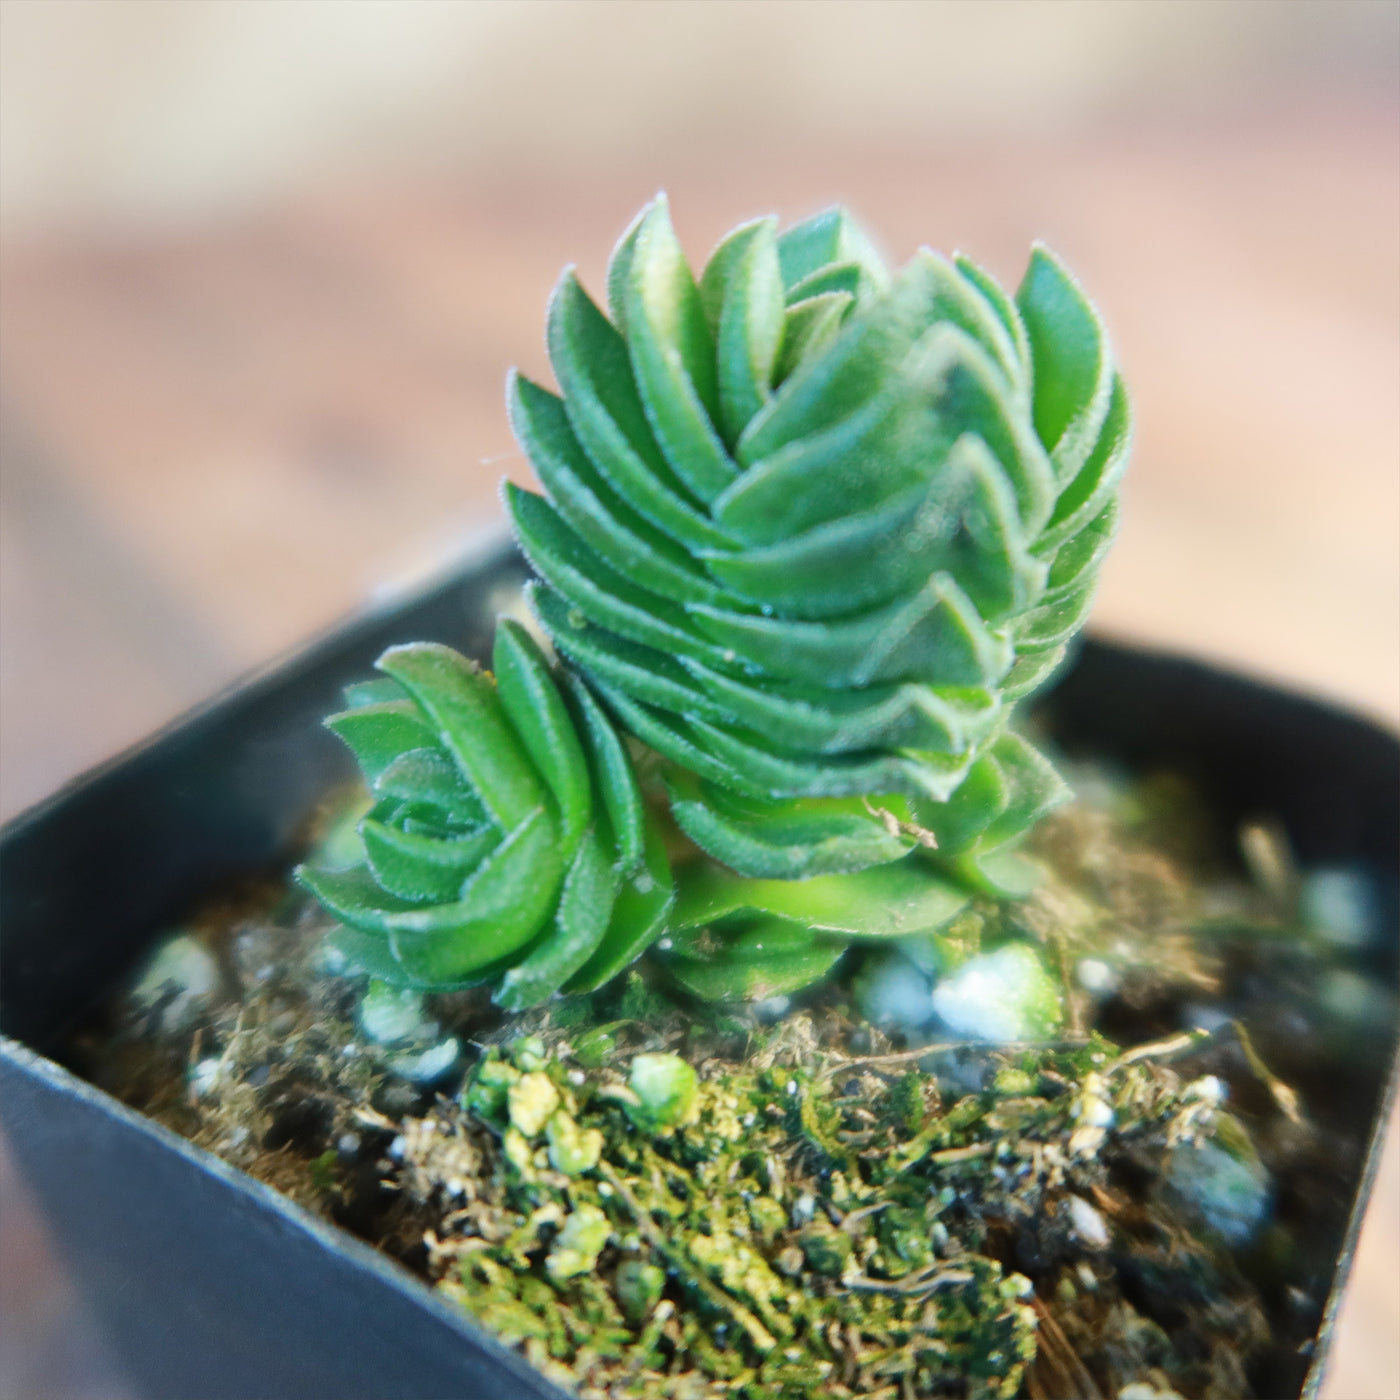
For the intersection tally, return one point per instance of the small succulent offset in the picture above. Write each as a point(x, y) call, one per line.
point(507, 842)
point(810, 531)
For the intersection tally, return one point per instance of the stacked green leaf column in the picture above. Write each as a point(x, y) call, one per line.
point(810, 530)
point(507, 842)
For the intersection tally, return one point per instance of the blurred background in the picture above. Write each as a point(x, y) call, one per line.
point(263, 267)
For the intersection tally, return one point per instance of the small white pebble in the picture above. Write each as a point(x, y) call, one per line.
point(1087, 1223)
point(1097, 1113)
point(1208, 1089)
point(204, 1077)
point(180, 980)
point(1096, 976)
point(577, 1077)
point(772, 1008)
point(396, 1149)
point(604, 1189)
point(1342, 905)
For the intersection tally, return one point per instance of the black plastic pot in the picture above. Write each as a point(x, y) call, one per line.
point(210, 1284)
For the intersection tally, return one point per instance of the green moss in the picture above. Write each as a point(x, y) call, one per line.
point(530, 1101)
point(665, 1090)
point(577, 1247)
point(572, 1150)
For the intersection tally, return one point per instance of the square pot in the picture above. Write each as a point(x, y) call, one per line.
point(209, 1283)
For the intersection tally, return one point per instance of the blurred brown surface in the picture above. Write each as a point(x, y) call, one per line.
point(216, 441)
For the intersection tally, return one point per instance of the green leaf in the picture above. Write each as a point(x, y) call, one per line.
point(422, 868)
point(809, 326)
point(638, 918)
point(1097, 483)
point(353, 897)
point(891, 442)
point(863, 361)
point(673, 355)
point(848, 277)
point(1073, 370)
point(756, 942)
point(1031, 671)
point(742, 293)
point(620, 271)
point(754, 980)
point(834, 568)
point(935, 633)
point(463, 705)
point(594, 588)
point(641, 671)
point(613, 776)
point(537, 713)
point(928, 302)
point(831, 236)
point(885, 901)
point(1004, 308)
point(959, 821)
point(1006, 874)
point(985, 550)
point(963, 305)
point(429, 776)
point(904, 715)
point(502, 907)
point(373, 692)
point(887, 444)
point(378, 732)
point(1079, 557)
point(580, 921)
point(1057, 621)
point(789, 841)
point(1008, 790)
point(735, 760)
point(370, 953)
point(1033, 788)
point(963, 521)
point(964, 383)
point(625, 539)
point(591, 362)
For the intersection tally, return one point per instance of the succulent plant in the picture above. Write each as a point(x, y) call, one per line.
point(810, 530)
point(507, 841)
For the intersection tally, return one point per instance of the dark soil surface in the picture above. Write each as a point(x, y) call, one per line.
point(1148, 1206)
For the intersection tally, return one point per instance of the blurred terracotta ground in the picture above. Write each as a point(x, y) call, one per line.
point(216, 442)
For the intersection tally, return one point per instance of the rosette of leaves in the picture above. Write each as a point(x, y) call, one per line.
point(811, 529)
point(507, 841)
